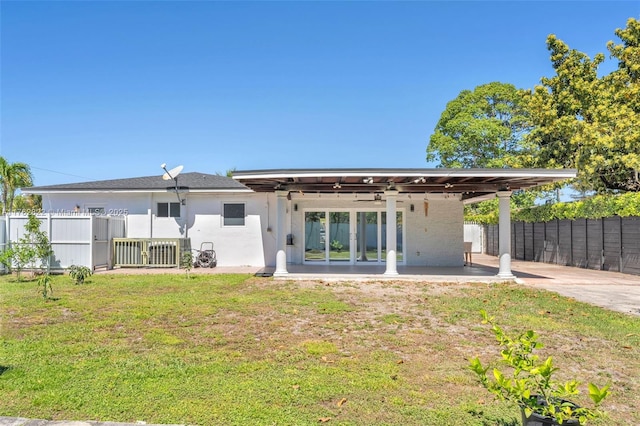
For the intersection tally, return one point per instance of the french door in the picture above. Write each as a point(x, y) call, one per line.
point(354, 236)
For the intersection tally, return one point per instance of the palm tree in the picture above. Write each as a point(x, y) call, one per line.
point(12, 177)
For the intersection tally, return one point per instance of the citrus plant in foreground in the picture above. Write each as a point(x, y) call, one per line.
point(528, 381)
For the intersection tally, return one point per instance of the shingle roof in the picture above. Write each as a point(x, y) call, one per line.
point(194, 181)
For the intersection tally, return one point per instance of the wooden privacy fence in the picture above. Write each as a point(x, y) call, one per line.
point(149, 252)
point(610, 244)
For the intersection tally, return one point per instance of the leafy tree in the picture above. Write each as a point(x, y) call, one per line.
point(488, 211)
point(481, 128)
point(39, 240)
point(588, 122)
point(32, 247)
point(17, 257)
point(12, 177)
point(31, 202)
point(228, 173)
point(625, 91)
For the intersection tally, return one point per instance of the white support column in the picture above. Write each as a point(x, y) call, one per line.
point(281, 237)
point(391, 233)
point(504, 234)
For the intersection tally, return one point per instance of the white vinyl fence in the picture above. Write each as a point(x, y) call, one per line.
point(474, 234)
point(77, 239)
point(3, 240)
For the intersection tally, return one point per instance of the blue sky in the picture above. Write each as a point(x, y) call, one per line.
point(112, 89)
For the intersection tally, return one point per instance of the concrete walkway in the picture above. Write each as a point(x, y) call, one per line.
point(611, 290)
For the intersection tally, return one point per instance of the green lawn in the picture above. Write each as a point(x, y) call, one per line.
point(234, 349)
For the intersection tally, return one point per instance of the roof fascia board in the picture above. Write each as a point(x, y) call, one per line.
point(134, 191)
point(275, 174)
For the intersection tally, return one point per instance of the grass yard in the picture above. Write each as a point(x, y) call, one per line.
point(240, 350)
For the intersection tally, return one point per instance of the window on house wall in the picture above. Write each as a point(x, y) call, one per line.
point(233, 214)
point(168, 209)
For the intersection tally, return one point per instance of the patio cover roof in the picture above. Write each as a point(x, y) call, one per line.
point(471, 184)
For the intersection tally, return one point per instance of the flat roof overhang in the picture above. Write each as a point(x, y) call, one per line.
point(472, 184)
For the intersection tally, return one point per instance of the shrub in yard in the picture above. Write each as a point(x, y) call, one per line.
point(186, 262)
point(44, 286)
point(79, 273)
point(528, 382)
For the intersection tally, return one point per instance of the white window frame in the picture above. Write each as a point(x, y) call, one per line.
point(223, 216)
point(169, 204)
point(96, 209)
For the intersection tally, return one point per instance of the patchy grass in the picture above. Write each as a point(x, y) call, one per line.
point(233, 349)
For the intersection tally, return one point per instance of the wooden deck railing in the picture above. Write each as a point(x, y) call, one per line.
point(149, 252)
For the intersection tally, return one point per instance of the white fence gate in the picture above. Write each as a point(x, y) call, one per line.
point(76, 239)
point(474, 234)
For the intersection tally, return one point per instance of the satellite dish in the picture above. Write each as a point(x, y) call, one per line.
point(171, 174)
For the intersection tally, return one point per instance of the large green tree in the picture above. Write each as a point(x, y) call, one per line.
point(31, 202)
point(483, 127)
point(587, 121)
point(12, 177)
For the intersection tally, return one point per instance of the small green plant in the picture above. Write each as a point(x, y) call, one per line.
point(186, 262)
point(337, 245)
point(79, 273)
point(32, 247)
point(6, 258)
point(529, 382)
point(18, 256)
point(44, 286)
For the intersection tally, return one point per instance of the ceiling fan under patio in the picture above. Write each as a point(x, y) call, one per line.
point(377, 199)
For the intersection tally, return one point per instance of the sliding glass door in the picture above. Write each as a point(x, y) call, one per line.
point(354, 236)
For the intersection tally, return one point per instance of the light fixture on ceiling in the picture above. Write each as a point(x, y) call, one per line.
point(368, 180)
point(337, 185)
point(420, 180)
point(448, 185)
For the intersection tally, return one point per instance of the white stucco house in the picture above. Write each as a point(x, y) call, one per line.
point(276, 218)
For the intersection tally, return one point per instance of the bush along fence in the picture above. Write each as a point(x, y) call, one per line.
point(610, 244)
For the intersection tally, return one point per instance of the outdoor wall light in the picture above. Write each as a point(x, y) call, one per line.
point(448, 185)
point(420, 180)
point(295, 207)
point(337, 185)
point(368, 180)
point(411, 207)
